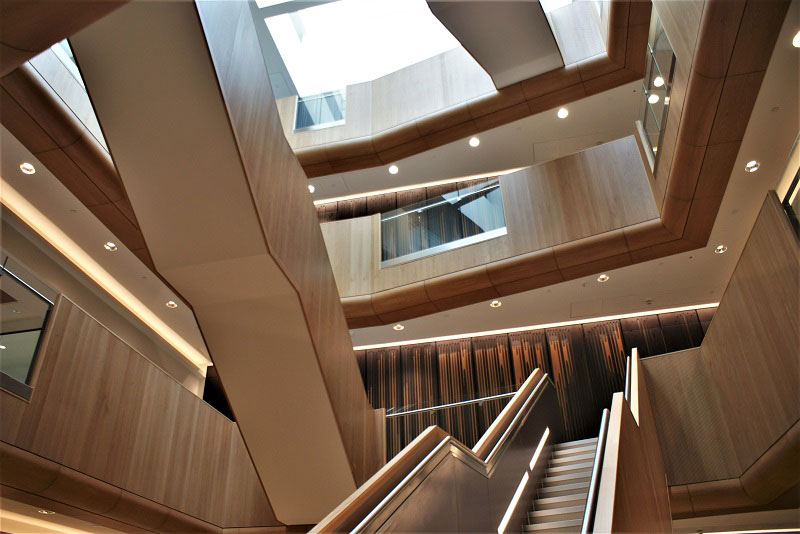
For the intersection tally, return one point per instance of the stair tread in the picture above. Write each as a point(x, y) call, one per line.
point(574, 452)
point(570, 468)
point(557, 511)
point(546, 501)
point(563, 460)
point(555, 479)
point(552, 525)
point(578, 443)
point(564, 489)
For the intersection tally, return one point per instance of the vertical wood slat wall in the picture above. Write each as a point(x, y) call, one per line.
point(586, 363)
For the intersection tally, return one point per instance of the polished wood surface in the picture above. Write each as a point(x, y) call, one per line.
point(633, 468)
point(29, 26)
point(108, 431)
point(727, 412)
point(433, 488)
point(396, 116)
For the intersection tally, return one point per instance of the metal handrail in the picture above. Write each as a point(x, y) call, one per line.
point(594, 481)
point(452, 404)
point(628, 379)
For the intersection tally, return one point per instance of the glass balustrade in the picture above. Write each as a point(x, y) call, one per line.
point(439, 224)
point(657, 86)
point(24, 311)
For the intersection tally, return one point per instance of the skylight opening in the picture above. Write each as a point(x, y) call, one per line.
point(330, 46)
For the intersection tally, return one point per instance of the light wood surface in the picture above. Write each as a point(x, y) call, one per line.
point(633, 468)
point(446, 98)
point(272, 318)
point(562, 216)
point(102, 411)
point(730, 408)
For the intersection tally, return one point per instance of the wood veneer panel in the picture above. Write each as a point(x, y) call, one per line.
point(757, 316)
point(104, 411)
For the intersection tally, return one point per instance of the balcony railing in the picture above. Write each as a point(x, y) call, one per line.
point(439, 224)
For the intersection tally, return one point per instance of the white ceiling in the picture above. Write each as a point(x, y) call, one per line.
point(695, 277)
point(594, 120)
point(20, 518)
point(49, 196)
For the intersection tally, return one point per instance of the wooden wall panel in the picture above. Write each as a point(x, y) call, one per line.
point(102, 409)
point(605, 188)
point(751, 346)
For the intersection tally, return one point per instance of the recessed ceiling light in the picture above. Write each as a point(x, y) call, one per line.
point(393, 169)
point(752, 166)
point(27, 168)
point(172, 304)
point(666, 101)
point(311, 188)
point(110, 246)
point(474, 141)
point(655, 149)
point(603, 278)
point(398, 327)
point(658, 81)
point(2, 347)
point(796, 40)
point(563, 113)
point(495, 304)
point(46, 512)
point(653, 98)
point(720, 249)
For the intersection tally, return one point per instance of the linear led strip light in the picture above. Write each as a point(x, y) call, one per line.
point(73, 252)
point(417, 186)
point(501, 528)
point(537, 327)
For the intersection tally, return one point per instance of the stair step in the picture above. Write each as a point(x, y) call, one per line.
point(571, 499)
point(574, 451)
point(571, 525)
point(564, 489)
point(569, 478)
point(574, 468)
point(555, 514)
point(578, 443)
point(569, 460)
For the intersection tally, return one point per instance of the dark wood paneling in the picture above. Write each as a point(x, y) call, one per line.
point(586, 363)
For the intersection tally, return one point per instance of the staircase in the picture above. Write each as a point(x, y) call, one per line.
point(561, 500)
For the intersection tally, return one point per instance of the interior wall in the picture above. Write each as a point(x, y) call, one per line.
point(56, 272)
point(598, 190)
point(99, 408)
point(719, 408)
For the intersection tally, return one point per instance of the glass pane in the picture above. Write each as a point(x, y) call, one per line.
point(657, 86)
point(23, 314)
point(442, 220)
point(320, 110)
